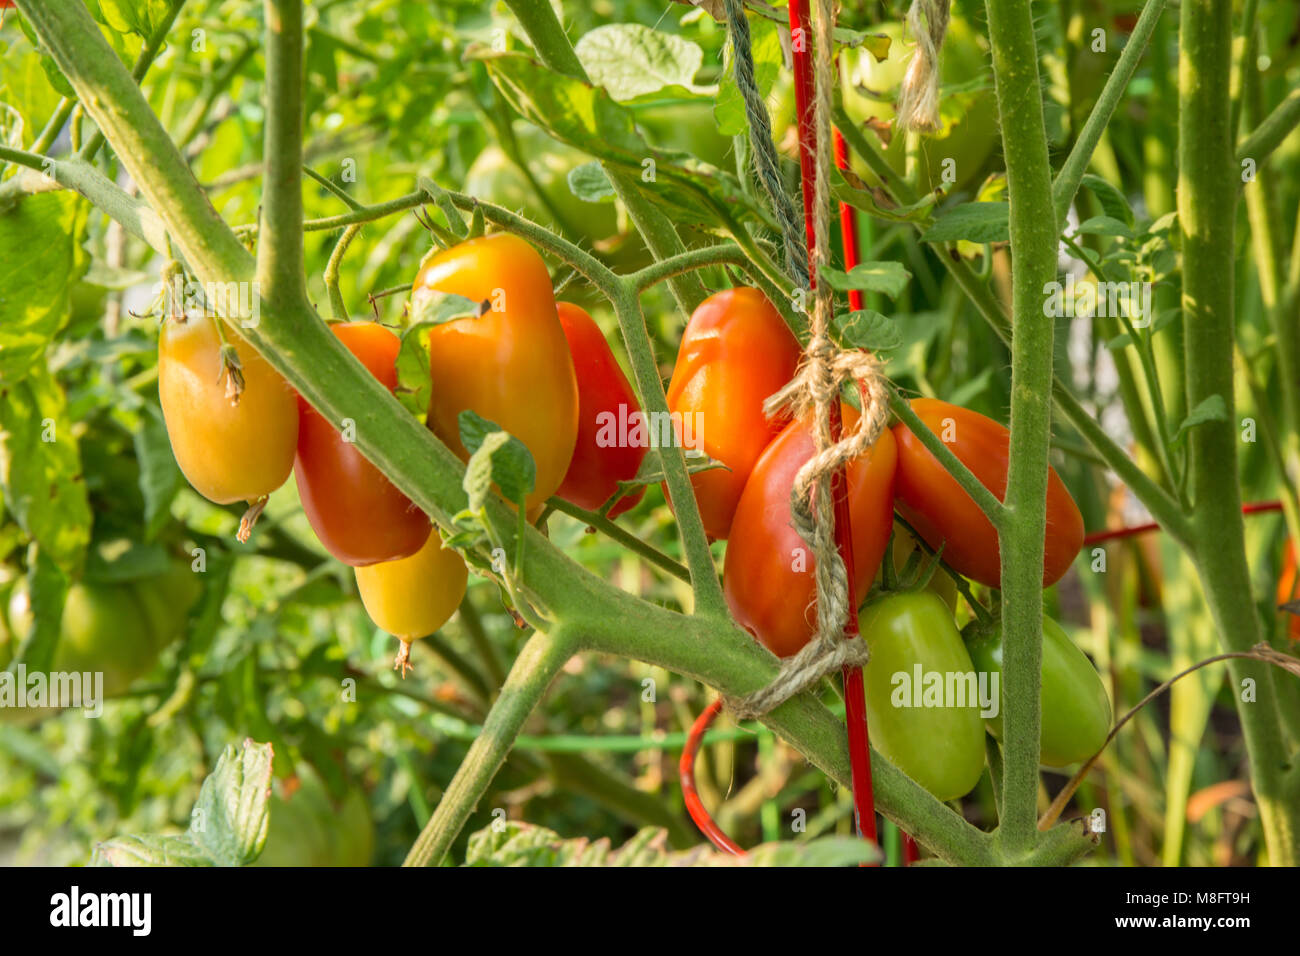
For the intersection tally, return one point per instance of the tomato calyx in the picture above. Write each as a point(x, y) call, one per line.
point(402, 662)
point(249, 518)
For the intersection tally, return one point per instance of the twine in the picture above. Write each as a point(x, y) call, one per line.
point(811, 394)
point(918, 100)
point(765, 160)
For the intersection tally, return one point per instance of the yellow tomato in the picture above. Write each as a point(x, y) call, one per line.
point(511, 365)
point(412, 597)
point(229, 451)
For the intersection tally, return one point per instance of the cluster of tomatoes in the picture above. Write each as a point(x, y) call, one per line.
point(735, 352)
point(240, 444)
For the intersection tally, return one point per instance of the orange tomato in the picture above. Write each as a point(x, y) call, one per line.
point(511, 365)
point(735, 352)
point(228, 451)
point(943, 514)
point(605, 398)
point(358, 514)
point(769, 574)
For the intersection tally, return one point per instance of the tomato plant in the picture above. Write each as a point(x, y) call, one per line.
point(917, 658)
point(1075, 712)
point(605, 398)
point(735, 352)
point(768, 575)
point(357, 513)
point(511, 364)
point(944, 515)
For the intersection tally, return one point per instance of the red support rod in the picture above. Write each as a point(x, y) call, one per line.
point(854, 695)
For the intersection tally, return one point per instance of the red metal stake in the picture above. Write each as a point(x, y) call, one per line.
point(855, 704)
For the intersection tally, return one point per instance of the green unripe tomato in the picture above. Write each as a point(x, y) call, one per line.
point(166, 601)
point(307, 829)
point(940, 746)
point(1075, 709)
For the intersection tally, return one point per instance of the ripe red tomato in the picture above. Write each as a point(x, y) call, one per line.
point(358, 514)
point(605, 399)
point(1288, 590)
point(511, 365)
point(935, 505)
point(735, 352)
point(769, 574)
point(228, 451)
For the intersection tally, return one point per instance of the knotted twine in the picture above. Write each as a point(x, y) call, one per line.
point(811, 394)
point(918, 100)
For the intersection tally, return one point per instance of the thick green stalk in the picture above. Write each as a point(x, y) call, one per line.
point(1207, 197)
point(280, 270)
point(534, 669)
point(1276, 127)
point(1020, 538)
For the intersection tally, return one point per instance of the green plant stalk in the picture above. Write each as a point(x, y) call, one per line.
point(1076, 163)
point(537, 665)
point(553, 47)
point(1270, 133)
point(1207, 196)
point(317, 365)
point(987, 501)
point(280, 272)
point(609, 528)
point(1020, 537)
point(337, 306)
point(472, 623)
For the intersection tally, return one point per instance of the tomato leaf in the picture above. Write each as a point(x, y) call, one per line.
point(40, 469)
point(496, 457)
point(972, 221)
point(1212, 409)
point(122, 559)
point(868, 329)
point(631, 60)
point(229, 821)
point(1104, 226)
point(149, 850)
point(887, 277)
point(1113, 202)
point(524, 844)
point(160, 477)
point(589, 183)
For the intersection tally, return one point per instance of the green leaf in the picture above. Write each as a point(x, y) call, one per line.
point(1164, 224)
point(496, 457)
point(887, 277)
point(435, 308)
point(149, 851)
point(40, 469)
point(586, 117)
point(631, 60)
point(868, 329)
point(875, 203)
point(232, 812)
point(972, 221)
point(40, 260)
point(414, 382)
point(1104, 226)
point(1212, 409)
point(160, 477)
point(590, 184)
point(1113, 202)
point(121, 559)
point(524, 844)
point(729, 105)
